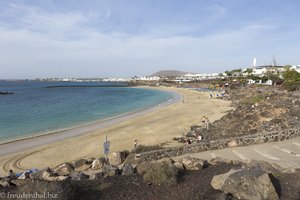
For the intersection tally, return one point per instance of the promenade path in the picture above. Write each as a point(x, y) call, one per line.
point(286, 153)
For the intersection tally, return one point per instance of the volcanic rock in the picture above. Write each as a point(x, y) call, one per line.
point(248, 183)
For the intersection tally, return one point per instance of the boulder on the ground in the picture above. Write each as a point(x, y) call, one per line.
point(191, 163)
point(265, 166)
point(142, 167)
point(98, 163)
point(46, 173)
point(81, 165)
point(246, 183)
point(110, 170)
point(232, 143)
point(24, 175)
point(116, 158)
point(166, 160)
point(49, 175)
point(128, 170)
point(219, 160)
point(219, 180)
point(64, 169)
point(179, 166)
point(161, 173)
point(96, 176)
point(131, 159)
point(38, 174)
point(6, 183)
point(79, 176)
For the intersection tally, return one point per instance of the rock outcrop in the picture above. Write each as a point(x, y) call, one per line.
point(191, 163)
point(79, 176)
point(128, 170)
point(246, 183)
point(110, 170)
point(116, 158)
point(81, 165)
point(98, 163)
point(161, 173)
point(64, 169)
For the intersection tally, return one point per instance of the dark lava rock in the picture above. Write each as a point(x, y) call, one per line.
point(128, 170)
point(79, 176)
point(248, 183)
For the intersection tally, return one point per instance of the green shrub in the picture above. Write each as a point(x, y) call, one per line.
point(291, 80)
point(161, 174)
point(254, 99)
point(292, 86)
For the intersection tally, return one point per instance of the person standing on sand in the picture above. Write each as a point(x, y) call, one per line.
point(188, 141)
point(206, 123)
point(135, 144)
point(199, 138)
point(11, 175)
point(203, 121)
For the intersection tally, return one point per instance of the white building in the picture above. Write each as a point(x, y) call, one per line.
point(259, 71)
point(296, 68)
point(250, 81)
point(268, 82)
point(203, 76)
point(149, 78)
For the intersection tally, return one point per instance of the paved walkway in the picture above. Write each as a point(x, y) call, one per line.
point(286, 154)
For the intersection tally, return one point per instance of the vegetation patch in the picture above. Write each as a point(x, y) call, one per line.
point(291, 80)
point(161, 174)
point(254, 99)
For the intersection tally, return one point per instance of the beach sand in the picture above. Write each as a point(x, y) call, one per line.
point(154, 127)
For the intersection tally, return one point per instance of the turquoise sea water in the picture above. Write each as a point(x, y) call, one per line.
point(38, 107)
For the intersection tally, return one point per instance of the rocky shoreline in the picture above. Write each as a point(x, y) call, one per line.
point(124, 176)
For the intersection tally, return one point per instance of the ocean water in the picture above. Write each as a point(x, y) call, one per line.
point(45, 107)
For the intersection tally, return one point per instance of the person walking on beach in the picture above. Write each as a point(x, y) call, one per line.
point(203, 121)
point(206, 123)
point(135, 144)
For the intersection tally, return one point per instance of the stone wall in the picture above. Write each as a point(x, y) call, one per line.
point(258, 138)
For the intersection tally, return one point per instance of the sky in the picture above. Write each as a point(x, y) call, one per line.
point(123, 38)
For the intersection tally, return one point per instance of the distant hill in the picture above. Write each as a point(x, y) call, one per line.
point(169, 73)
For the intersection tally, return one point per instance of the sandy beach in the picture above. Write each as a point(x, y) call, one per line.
point(154, 126)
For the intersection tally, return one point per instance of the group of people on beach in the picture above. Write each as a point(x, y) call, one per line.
point(189, 141)
point(205, 122)
point(25, 174)
point(217, 95)
point(198, 137)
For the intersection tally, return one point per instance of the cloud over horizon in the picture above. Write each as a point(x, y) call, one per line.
point(114, 38)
